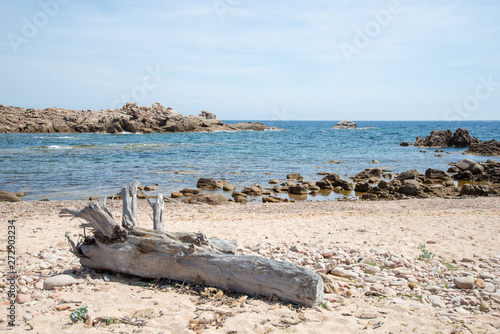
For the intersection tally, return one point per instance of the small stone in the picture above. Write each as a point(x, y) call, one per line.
point(372, 269)
point(389, 292)
point(27, 317)
point(484, 307)
point(319, 266)
point(489, 287)
point(433, 289)
point(479, 283)
point(468, 259)
point(45, 265)
point(412, 285)
point(37, 296)
point(485, 275)
point(437, 301)
point(39, 285)
point(63, 307)
point(464, 282)
point(219, 294)
point(23, 298)
point(377, 287)
point(344, 273)
point(59, 281)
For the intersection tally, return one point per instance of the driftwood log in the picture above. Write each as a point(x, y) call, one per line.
point(190, 257)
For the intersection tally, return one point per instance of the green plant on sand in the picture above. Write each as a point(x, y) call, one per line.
point(426, 254)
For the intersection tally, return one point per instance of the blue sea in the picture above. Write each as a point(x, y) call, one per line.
point(75, 166)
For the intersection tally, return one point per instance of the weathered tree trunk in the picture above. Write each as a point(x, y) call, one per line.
point(191, 257)
point(98, 217)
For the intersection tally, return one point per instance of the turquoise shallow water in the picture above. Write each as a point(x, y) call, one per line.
point(76, 166)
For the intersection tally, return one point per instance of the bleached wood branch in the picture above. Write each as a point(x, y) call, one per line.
point(129, 198)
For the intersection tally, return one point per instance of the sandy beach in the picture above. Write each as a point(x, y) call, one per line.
point(403, 292)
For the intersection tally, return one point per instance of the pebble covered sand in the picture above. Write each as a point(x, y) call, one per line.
point(410, 266)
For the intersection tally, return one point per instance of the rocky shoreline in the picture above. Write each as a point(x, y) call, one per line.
point(130, 118)
point(464, 178)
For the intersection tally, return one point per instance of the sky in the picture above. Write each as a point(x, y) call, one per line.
point(256, 60)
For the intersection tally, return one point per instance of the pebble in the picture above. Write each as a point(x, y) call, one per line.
point(437, 301)
point(479, 283)
point(464, 282)
point(59, 281)
point(489, 287)
point(377, 287)
point(484, 307)
point(23, 298)
point(485, 275)
point(37, 296)
point(372, 269)
point(390, 292)
point(433, 289)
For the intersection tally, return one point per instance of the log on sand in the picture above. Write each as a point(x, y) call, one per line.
point(190, 257)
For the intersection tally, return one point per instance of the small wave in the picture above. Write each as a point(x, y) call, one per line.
point(57, 147)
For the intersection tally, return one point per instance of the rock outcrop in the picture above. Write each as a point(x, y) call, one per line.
point(211, 199)
point(469, 170)
point(130, 118)
point(491, 148)
point(446, 138)
point(6, 196)
point(345, 125)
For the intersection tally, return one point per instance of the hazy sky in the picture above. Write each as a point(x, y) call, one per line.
point(244, 59)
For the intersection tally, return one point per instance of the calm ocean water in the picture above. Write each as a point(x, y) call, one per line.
point(76, 166)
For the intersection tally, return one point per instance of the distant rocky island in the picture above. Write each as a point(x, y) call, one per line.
point(130, 118)
point(345, 125)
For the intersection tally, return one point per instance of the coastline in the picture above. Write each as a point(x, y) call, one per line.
point(462, 233)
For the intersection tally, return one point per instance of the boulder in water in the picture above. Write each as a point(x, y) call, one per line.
point(345, 125)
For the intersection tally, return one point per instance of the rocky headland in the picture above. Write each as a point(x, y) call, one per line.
point(130, 118)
